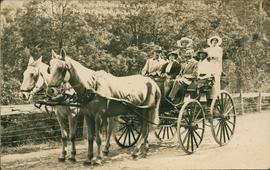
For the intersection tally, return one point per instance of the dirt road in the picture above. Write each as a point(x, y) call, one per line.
point(249, 148)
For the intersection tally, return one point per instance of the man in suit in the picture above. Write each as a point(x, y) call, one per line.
point(188, 72)
point(153, 65)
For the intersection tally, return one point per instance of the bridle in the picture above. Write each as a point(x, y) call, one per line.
point(31, 91)
point(64, 74)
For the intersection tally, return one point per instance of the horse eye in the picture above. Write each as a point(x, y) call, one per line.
point(48, 70)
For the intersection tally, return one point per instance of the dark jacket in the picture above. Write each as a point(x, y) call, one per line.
point(174, 71)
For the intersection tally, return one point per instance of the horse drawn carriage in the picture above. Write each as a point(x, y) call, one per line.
point(186, 120)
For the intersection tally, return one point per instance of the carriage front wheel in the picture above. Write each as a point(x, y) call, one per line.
point(223, 117)
point(128, 131)
point(191, 126)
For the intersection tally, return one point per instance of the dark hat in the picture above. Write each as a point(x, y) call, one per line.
point(174, 53)
point(199, 53)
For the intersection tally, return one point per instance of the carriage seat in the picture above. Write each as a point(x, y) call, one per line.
point(201, 83)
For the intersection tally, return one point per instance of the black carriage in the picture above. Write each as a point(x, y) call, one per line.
point(187, 120)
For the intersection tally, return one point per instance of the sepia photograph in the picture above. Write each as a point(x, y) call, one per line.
point(134, 84)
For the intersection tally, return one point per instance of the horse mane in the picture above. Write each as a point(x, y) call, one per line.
point(80, 74)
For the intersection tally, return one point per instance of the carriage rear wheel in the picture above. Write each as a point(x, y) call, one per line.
point(167, 127)
point(223, 118)
point(191, 126)
point(128, 131)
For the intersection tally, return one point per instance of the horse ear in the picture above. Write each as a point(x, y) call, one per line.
point(39, 60)
point(63, 53)
point(31, 60)
point(54, 55)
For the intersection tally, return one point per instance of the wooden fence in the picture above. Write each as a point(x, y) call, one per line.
point(251, 102)
point(22, 124)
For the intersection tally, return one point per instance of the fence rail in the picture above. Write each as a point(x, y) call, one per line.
point(251, 102)
point(22, 124)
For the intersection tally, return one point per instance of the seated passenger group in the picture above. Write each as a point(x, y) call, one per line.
point(181, 66)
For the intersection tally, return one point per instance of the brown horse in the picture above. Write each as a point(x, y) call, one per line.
point(104, 95)
point(34, 79)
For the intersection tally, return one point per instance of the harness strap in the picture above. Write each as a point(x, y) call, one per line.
point(139, 114)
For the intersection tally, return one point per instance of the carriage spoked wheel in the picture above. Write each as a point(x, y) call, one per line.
point(165, 132)
point(223, 117)
point(128, 131)
point(191, 126)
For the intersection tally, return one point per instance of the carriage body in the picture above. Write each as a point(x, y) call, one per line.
point(188, 118)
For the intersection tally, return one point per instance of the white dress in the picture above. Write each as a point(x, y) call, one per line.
point(215, 54)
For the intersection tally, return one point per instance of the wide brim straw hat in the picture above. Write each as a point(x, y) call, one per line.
point(214, 37)
point(179, 42)
point(158, 49)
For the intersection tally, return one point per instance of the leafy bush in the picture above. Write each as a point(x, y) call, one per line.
point(10, 92)
point(112, 37)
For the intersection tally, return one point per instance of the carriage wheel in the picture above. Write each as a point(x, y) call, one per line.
point(128, 131)
point(191, 126)
point(167, 128)
point(223, 118)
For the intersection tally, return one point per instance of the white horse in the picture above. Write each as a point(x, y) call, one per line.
point(104, 95)
point(35, 78)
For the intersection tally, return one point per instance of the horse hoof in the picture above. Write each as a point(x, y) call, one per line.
point(97, 162)
point(87, 162)
point(105, 153)
point(134, 156)
point(61, 159)
point(144, 155)
point(72, 159)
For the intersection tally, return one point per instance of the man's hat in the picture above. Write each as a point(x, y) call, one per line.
point(179, 42)
point(199, 53)
point(219, 40)
point(157, 49)
point(202, 52)
point(173, 53)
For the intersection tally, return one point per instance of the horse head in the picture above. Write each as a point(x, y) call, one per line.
point(32, 79)
point(59, 73)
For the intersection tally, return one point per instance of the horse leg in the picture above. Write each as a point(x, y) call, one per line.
point(109, 129)
point(98, 139)
point(73, 128)
point(64, 135)
point(90, 122)
point(137, 148)
point(146, 144)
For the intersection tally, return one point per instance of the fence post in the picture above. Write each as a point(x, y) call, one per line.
point(241, 102)
point(259, 102)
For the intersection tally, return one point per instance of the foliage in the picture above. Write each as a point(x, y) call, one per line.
point(112, 35)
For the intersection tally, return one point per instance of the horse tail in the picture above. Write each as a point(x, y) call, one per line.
point(154, 112)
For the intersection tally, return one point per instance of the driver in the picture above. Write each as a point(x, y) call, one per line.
point(153, 65)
